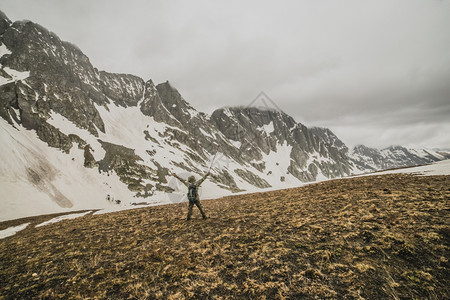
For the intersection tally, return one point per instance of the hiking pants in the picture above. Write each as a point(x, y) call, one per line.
point(191, 205)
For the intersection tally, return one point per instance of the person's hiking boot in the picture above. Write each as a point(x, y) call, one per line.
point(205, 217)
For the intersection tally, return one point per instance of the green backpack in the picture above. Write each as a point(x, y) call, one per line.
point(192, 192)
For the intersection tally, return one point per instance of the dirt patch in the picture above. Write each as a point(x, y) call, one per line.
point(378, 237)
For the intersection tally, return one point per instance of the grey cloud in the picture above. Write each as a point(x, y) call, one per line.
point(369, 70)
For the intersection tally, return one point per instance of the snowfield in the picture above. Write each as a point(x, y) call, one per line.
point(435, 169)
point(439, 168)
point(36, 179)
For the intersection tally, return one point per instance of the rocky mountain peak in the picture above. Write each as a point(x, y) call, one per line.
point(153, 106)
point(329, 137)
point(174, 103)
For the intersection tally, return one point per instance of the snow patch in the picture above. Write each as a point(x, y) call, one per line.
point(67, 127)
point(236, 144)
point(192, 112)
point(434, 169)
point(12, 230)
point(4, 50)
point(276, 167)
point(269, 128)
point(14, 74)
point(317, 158)
point(206, 134)
point(64, 217)
point(228, 113)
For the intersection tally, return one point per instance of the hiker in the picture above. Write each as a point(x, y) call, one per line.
point(193, 193)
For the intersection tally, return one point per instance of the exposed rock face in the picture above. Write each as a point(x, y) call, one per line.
point(153, 106)
point(59, 78)
point(330, 138)
point(124, 90)
point(174, 103)
point(9, 108)
point(42, 77)
point(260, 132)
point(126, 164)
point(89, 160)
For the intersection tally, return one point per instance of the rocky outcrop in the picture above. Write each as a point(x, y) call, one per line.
point(9, 108)
point(126, 164)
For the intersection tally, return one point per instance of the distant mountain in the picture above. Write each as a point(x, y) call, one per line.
point(392, 157)
point(74, 137)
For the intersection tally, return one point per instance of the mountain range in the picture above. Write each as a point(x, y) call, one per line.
point(74, 137)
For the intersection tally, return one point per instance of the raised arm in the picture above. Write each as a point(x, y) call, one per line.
point(203, 179)
point(180, 179)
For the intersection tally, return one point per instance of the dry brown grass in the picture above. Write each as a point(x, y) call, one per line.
point(379, 237)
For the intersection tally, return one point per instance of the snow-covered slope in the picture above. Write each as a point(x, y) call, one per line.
point(434, 169)
point(37, 179)
point(438, 168)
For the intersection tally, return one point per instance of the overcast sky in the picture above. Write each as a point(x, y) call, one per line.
point(375, 72)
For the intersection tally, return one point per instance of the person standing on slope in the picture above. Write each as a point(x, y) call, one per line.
point(192, 194)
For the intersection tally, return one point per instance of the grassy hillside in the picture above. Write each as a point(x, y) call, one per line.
point(379, 237)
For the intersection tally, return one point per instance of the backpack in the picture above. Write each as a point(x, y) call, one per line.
point(192, 193)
